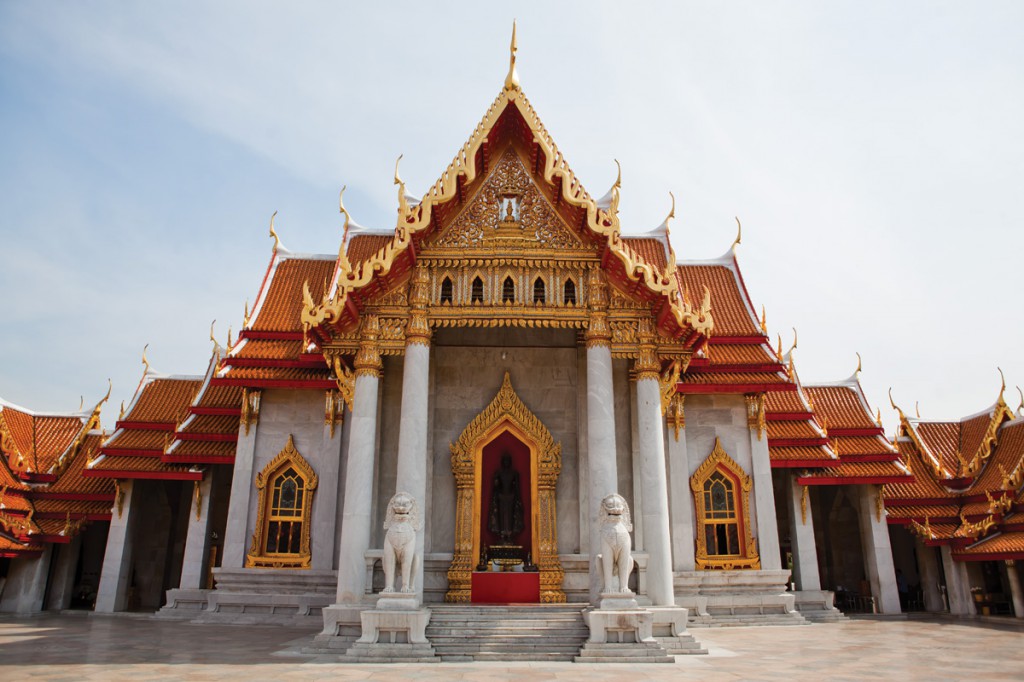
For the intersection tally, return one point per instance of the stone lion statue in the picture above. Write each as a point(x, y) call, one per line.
point(617, 548)
point(401, 523)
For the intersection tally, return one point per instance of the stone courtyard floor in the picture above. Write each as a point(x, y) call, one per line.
point(76, 647)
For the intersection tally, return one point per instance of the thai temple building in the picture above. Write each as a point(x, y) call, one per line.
point(504, 407)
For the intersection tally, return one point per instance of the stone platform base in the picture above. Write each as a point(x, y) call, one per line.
point(259, 597)
point(184, 604)
point(636, 652)
point(817, 606)
point(722, 598)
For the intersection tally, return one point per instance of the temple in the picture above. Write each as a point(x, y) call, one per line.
point(503, 408)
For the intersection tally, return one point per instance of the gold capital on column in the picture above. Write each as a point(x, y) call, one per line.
point(367, 362)
point(598, 332)
point(647, 364)
point(418, 331)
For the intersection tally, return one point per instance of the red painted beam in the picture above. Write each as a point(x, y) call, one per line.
point(854, 480)
point(208, 437)
point(144, 426)
point(130, 452)
point(804, 464)
point(856, 432)
point(318, 384)
point(706, 389)
point(258, 335)
point(216, 411)
point(145, 475)
point(199, 459)
point(77, 497)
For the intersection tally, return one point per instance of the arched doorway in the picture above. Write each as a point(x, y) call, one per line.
point(505, 427)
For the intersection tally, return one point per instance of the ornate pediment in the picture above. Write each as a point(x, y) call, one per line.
point(508, 212)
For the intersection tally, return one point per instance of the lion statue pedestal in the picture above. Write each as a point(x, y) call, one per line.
point(396, 628)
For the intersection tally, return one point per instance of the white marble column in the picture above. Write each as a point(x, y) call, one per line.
point(958, 585)
point(928, 574)
point(26, 583)
point(602, 472)
point(62, 583)
point(237, 534)
point(764, 502)
point(653, 474)
point(197, 537)
point(1016, 593)
point(112, 594)
point(874, 536)
point(357, 513)
point(801, 534)
point(681, 503)
point(412, 442)
point(325, 504)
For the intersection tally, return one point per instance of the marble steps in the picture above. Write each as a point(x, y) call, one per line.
point(834, 616)
point(684, 645)
point(507, 633)
point(632, 652)
point(750, 620)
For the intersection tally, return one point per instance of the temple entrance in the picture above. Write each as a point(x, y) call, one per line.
point(506, 550)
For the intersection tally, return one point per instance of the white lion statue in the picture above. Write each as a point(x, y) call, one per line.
point(617, 548)
point(401, 524)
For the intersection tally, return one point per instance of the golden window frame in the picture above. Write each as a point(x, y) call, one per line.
point(748, 557)
point(258, 557)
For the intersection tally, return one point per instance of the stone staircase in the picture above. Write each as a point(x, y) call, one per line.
point(537, 632)
point(747, 620)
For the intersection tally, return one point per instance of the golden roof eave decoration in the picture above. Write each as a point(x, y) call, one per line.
point(416, 218)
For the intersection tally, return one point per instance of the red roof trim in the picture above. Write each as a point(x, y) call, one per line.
point(789, 416)
point(150, 475)
point(704, 389)
point(216, 411)
point(77, 497)
point(144, 426)
point(130, 452)
point(268, 362)
point(312, 384)
point(921, 502)
point(856, 432)
point(208, 437)
point(858, 480)
point(258, 335)
point(804, 463)
point(199, 459)
point(796, 442)
point(740, 341)
point(705, 366)
point(989, 556)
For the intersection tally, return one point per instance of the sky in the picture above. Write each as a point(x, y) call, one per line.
point(872, 150)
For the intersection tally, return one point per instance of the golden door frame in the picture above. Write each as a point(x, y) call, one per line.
point(506, 412)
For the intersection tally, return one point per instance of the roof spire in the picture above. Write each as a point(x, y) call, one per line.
point(764, 320)
point(1021, 406)
point(145, 360)
point(273, 233)
point(917, 408)
point(739, 235)
point(858, 370)
point(671, 212)
point(512, 79)
point(1002, 387)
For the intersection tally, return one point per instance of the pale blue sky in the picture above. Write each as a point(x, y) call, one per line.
point(873, 151)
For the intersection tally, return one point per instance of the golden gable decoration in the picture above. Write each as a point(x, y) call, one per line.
point(506, 412)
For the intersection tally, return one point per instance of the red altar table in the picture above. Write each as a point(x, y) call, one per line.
point(505, 588)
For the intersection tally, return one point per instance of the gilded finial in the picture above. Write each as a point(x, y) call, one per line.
point(793, 347)
point(778, 350)
point(273, 233)
point(120, 415)
point(230, 344)
point(81, 402)
point(878, 416)
point(403, 203)
point(671, 213)
point(212, 338)
point(859, 365)
point(512, 79)
point(1002, 386)
point(1021, 406)
point(739, 235)
point(893, 403)
point(344, 211)
point(764, 320)
point(618, 176)
point(145, 360)
point(917, 408)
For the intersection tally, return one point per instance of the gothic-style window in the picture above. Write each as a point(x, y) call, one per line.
point(721, 495)
point(721, 522)
point(285, 488)
point(446, 290)
point(569, 293)
point(508, 291)
point(476, 294)
point(538, 291)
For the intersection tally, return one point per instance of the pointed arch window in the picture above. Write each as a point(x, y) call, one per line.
point(721, 491)
point(284, 512)
point(508, 291)
point(569, 292)
point(476, 294)
point(538, 291)
point(446, 290)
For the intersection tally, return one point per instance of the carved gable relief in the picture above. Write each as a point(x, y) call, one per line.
point(508, 201)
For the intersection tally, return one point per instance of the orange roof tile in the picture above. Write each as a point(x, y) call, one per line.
point(863, 470)
point(728, 303)
point(943, 439)
point(38, 440)
point(363, 246)
point(842, 406)
point(651, 250)
point(792, 429)
point(1011, 543)
point(279, 306)
point(138, 439)
point(733, 378)
point(71, 480)
point(76, 507)
point(141, 465)
point(786, 402)
point(933, 511)
point(742, 354)
point(278, 374)
point(268, 350)
point(164, 399)
point(200, 449)
point(862, 446)
point(1007, 456)
point(801, 453)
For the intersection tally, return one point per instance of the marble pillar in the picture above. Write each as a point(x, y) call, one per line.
point(357, 512)
point(602, 472)
point(928, 574)
point(655, 511)
point(236, 533)
point(197, 536)
point(764, 502)
point(874, 536)
point(681, 503)
point(325, 507)
point(112, 594)
point(801, 533)
point(412, 442)
point(958, 585)
point(25, 586)
point(1016, 593)
point(62, 583)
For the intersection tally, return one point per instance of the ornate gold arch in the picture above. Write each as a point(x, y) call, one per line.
point(506, 413)
point(719, 460)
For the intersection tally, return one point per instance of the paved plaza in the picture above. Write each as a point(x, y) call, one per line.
point(74, 647)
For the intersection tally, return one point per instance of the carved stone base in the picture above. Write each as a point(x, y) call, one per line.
point(620, 625)
point(620, 634)
point(404, 627)
point(618, 601)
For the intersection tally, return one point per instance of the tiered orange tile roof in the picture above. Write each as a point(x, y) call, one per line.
point(969, 486)
point(796, 436)
point(271, 352)
point(856, 438)
point(32, 442)
point(210, 432)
